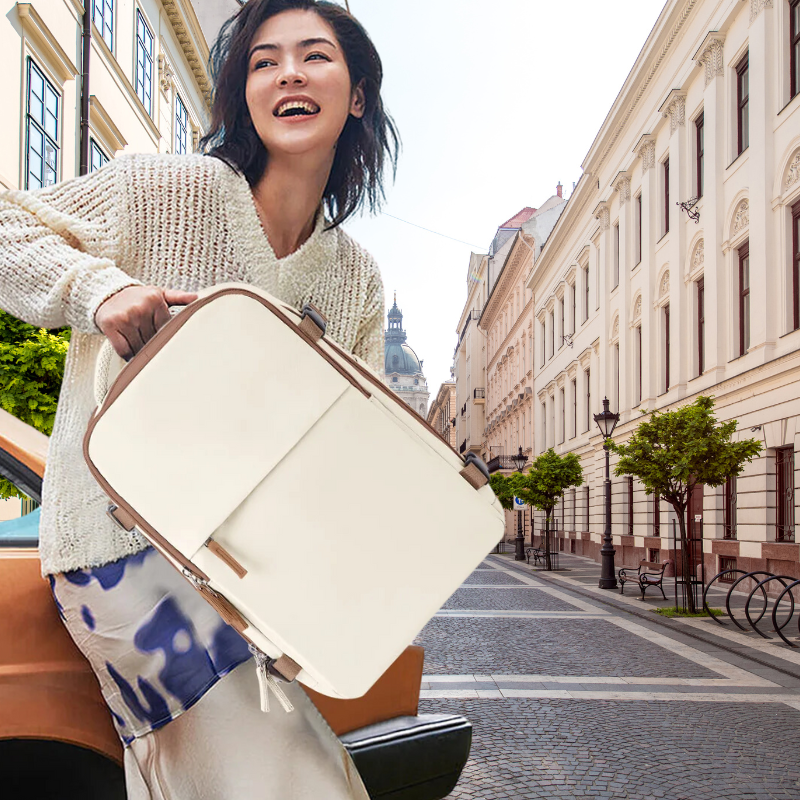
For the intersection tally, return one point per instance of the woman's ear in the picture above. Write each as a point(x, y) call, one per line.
point(358, 101)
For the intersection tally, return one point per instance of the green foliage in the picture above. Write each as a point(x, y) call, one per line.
point(545, 481)
point(674, 611)
point(502, 488)
point(672, 451)
point(31, 370)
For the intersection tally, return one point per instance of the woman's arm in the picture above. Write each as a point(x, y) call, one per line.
point(58, 248)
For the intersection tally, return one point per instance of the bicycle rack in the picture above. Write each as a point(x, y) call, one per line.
point(761, 579)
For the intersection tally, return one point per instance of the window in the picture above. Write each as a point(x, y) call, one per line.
point(544, 339)
point(784, 488)
point(699, 155)
point(794, 47)
point(701, 326)
point(574, 409)
point(42, 124)
point(585, 293)
point(742, 104)
point(796, 264)
point(616, 257)
point(653, 555)
point(181, 127)
point(730, 508)
point(562, 400)
point(416, 381)
point(97, 158)
point(638, 345)
point(656, 515)
point(666, 197)
point(630, 506)
point(574, 292)
point(639, 229)
point(588, 399)
point(586, 507)
point(563, 322)
point(727, 564)
point(616, 374)
point(666, 347)
point(144, 62)
point(394, 380)
point(744, 298)
point(552, 333)
point(103, 17)
point(544, 426)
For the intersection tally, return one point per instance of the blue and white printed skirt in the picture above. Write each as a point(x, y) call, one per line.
point(154, 643)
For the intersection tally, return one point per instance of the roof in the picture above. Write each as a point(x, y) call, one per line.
point(518, 218)
point(400, 359)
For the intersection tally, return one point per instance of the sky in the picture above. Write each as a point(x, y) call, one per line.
point(496, 102)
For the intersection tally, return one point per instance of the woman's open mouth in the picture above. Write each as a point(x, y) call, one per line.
point(296, 108)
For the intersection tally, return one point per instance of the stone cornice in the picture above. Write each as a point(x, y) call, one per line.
point(187, 30)
point(622, 185)
point(756, 7)
point(601, 212)
point(709, 55)
point(646, 150)
point(514, 259)
point(36, 30)
point(674, 108)
point(665, 33)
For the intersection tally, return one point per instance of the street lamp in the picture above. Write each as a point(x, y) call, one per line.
point(607, 421)
point(519, 462)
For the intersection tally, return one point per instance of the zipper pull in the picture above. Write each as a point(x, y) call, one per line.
point(267, 682)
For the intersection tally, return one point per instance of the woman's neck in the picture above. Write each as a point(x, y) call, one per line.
point(287, 197)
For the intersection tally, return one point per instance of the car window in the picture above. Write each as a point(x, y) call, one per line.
point(21, 531)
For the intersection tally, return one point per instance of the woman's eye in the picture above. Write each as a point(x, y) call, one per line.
point(264, 62)
point(317, 56)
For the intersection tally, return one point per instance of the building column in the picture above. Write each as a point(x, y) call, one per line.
point(602, 254)
point(765, 324)
point(715, 277)
point(680, 310)
point(646, 150)
point(623, 187)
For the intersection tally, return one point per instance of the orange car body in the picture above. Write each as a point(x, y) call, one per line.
point(47, 688)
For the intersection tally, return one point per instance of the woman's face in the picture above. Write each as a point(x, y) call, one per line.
point(298, 88)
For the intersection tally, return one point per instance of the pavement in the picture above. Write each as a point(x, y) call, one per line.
point(578, 692)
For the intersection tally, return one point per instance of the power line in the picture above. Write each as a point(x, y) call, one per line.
point(436, 233)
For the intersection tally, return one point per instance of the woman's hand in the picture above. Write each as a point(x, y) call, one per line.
point(132, 316)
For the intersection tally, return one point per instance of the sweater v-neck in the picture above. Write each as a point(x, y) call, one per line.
point(263, 267)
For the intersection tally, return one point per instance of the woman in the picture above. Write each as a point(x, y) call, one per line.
point(297, 127)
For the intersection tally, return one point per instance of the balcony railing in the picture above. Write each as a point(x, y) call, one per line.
point(479, 394)
point(502, 462)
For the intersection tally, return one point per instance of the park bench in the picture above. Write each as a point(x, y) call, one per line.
point(536, 552)
point(649, 573)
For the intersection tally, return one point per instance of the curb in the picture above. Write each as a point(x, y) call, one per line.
point(664, 622)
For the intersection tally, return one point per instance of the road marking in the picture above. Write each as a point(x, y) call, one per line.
point(565, 694)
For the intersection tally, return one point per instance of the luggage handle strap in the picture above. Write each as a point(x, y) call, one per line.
point(475, 472)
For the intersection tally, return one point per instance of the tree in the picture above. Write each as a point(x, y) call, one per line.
point(502, 489)
point(545, 482)
point(31, 370)
point(673, 451)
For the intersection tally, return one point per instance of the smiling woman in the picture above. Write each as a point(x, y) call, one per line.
point(265, 57)
point(298, 142)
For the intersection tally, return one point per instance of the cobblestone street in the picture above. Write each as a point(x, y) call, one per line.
point(578, 693)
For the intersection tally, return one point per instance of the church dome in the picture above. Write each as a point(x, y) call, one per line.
point(401, 359)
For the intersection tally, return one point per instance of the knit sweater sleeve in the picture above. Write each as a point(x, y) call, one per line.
point(58, 247)
point(369, 338)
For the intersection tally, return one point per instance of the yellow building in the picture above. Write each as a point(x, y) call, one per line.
point(148, 89)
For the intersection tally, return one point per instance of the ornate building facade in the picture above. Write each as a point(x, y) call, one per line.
point(679, 259)
point(441, 416)
point(402, 367)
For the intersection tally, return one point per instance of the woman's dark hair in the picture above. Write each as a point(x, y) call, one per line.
point(356, 178)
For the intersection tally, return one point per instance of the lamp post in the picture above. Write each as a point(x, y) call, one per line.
point(607, 421)
point(519, 555)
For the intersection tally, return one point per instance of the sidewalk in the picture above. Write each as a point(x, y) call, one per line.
point(582, 576)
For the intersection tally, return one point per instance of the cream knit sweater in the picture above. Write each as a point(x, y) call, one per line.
point(181, 222)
